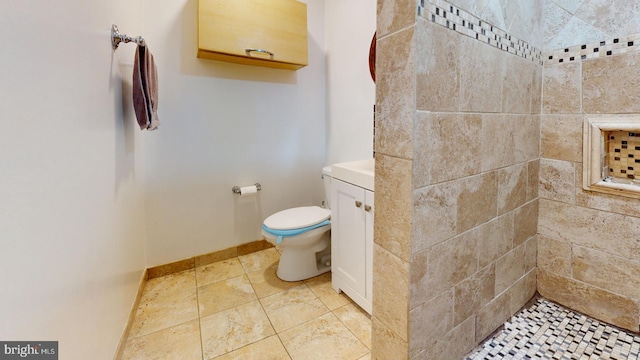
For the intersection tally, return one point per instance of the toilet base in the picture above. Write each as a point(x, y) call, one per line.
point(300, 264)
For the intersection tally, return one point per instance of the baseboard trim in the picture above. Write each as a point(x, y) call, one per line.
point(206, 259)
point(132, 315)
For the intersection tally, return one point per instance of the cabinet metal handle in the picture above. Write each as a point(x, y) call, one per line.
point(249, 51)
point(358, 203)
point(367, 208)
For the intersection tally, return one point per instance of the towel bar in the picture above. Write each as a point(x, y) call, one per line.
point(117, 38)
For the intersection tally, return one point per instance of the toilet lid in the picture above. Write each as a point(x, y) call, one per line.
point(297, 218)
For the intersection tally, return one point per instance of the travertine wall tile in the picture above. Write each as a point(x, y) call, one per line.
point(475, 147)
point(512, 187)
point(477, 200)
point(453, 345)
point(391, 291)
point(393, 193)
point(438, 68)
point(497, 141)
point(516, 94)
point(474, 293)
point(385, 343)
point(589, 227)
point(526, 139)
point(561, 137)
point(606, 15)
point(395, 94)
point(531, 254)
point(614, 273)
point(554, 256)
point(612, 84)
point(533, 179)
point(525, 222)
point(429, 321)
point(509, 269)
point(492, 316)
point(475, 7)
point(525, 20)
point(557, 180)
point(418, 283)
point(561, 88)
point(495, 239)
point(446, 147)
point(434, 214)
point(601, 304)
point(605, 202)
point(522, 291)
point(394, 15)
point(422, 146)
point(536, 95)
point(479, 94)
point(448, 263)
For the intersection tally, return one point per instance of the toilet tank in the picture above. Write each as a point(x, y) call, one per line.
point(326, 176)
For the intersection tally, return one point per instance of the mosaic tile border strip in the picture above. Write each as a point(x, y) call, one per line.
point(456, 19)
point(546, 330)
point(596, 49)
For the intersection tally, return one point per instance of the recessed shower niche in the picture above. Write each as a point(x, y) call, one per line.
point(611, 155)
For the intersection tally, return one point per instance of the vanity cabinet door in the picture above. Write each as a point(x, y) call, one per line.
point(352, 242)
point(348, 237)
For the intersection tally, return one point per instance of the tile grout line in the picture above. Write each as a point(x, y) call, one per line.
point(265, 311)
point(348, 328)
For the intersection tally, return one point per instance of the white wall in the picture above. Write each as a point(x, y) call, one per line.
point(225, 124)
point(349, 27)
point(71, 221)
point(222, 125)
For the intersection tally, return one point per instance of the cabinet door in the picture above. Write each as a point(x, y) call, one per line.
point(227, 28)
point(369, 209)
point(348, 236)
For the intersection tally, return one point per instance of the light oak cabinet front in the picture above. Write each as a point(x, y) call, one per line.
point(352, 242)
point(271, 33)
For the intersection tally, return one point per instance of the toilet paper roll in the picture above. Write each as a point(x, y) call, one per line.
point(248, 191)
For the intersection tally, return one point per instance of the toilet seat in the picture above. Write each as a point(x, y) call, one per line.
point(293, 232)
point(296, 221)
point(297, 218)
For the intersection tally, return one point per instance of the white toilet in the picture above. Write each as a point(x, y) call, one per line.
point(303, 235)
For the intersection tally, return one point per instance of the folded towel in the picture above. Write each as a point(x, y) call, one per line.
point(145, 89)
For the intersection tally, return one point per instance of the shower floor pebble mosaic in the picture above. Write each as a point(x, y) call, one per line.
point(546, 330)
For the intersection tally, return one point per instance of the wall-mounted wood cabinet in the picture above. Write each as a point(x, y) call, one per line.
point(270, 33)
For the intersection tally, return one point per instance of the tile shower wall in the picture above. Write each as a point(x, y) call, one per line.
point(395, 109)
point(573, 22)
point(457, 152)
point(589, 249)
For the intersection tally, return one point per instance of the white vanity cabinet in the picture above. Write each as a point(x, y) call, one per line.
point(352, 241)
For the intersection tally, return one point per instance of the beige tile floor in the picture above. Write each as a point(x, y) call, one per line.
point(239, 309)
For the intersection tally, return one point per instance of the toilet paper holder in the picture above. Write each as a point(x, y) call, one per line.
point(236, 189)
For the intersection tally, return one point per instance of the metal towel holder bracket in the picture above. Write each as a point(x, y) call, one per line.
point(117, 38)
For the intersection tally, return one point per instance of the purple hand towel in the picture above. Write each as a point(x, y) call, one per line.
point(145, 89)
